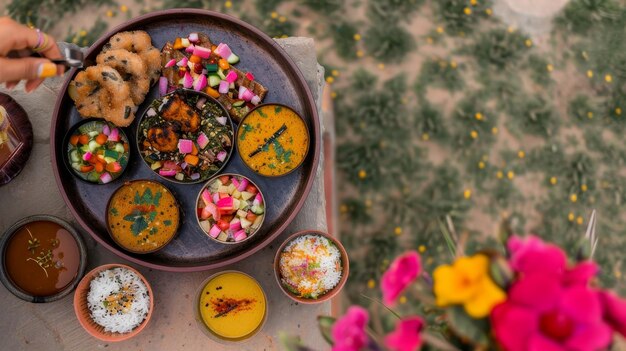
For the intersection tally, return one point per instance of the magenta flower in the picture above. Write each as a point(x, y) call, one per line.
point(614, 311)
point(401, 273)
point(531, 254)
point(550, 307)
point(407, 336)
point(349, 331)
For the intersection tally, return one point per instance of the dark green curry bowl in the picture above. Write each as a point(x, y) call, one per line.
point(96, 151)
point(8, 282)
point(177, 146)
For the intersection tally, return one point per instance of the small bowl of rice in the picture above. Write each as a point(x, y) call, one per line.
point(311, 267)
point(113, 302)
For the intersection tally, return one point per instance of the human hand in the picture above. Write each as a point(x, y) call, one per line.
point(15, 37)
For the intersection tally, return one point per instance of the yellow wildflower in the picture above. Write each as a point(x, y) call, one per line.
point(500, 175)
point(362, 174)
point(343, 209)
point(608, 78)
point(357, 37)
point(109, 13)
point(330, 80)
point(478, 116)
point(440, 30)
point(82, 33)
point(474, 2)
point(494, 130)
point(467, 193)
point(467, 282)
point(573, 198)
point(228, 4)
point(429, 40)
point(371, 283)
point(580, 220)
point(333, 95)
point(381, 66)
point(425, 136)
point(553, 180)
point(124, 8)
point(549, 67)
point(618, 111)
point(589, 73)
point(510, 174)
point(402, 299)
point(474, 134)
point(467, 11)
point(489, 12)
point(274, 15)
point(521, 154)
point(282, 19)
point(571, 217)
point(481, 165)
point(335, 73)
point(584, 188)
point(397, 230)
point(589, 114)
point(421, 248)
point(528, 42)
point(360, 53)
point(453, 64)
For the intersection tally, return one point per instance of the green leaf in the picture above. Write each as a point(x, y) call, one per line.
point(325, 323)
point(137, 200)
point(261, 113)
point(291, 342)
point(146, 198)
point(152, 216)
point(114, 211)
point(133, 216)
point(156, 199)
point(167, 222)
point(138, 225)
point(475, 330)
point(277, 109)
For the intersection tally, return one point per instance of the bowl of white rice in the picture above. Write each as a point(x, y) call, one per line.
point(311, 266)
point(113, 302)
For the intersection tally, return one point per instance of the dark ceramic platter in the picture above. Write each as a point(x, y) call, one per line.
point(192, 250)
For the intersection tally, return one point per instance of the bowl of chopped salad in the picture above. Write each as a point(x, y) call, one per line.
point(311, 266)
point(96, 151)
point(185, 136)
point(230, 209)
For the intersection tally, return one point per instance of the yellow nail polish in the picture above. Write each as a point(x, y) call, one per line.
point(46, 70)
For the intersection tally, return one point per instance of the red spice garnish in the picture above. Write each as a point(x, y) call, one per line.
point(226, 305)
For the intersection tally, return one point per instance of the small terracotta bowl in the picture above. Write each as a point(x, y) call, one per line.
point(84, 315)
point(329, 294)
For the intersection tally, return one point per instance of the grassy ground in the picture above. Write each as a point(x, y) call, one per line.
point(443, 110)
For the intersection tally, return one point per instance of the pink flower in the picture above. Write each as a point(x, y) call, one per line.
point(531, 254)
point(401, 273)
point(551, 307)
point(406, 337)
point(349, 331)
point(614, 311)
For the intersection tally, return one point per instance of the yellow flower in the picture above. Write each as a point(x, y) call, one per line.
point(333, 95)
point(109, 13)
point(589, 114)
point(584, 188)
point(282, 19)
point(580, 220)
point(343, 209)
point(330, 80)
point(521, 154)
point(618, 111)
point(381, 66)
point(473, 2)
point(500, 175)
point(402, 299)
point(274, 15)
point(571, 217)
point(466, 282)
point(553, 180)
point(362, 174)
point(589, 73)
point(467, 193)
point(360, 53)
point(368, 203)
point(397, 230)
point(489, 12)
point(429, 40)
point(440, 30)
point(371, 283)
point(425, 136)
point(474, 134)
point(357, 37)
point(124, 8)
point(549, 67)
point(335, 72)
point(453, 64)
point(608, 78)
point(421, 248)
point(82, 33)
point(528, 42)
point(481, 165)
point(510, 174)
point(494, 130)
point(573, 198)
point(467, 11)
point(228, 4)
point(478, 116)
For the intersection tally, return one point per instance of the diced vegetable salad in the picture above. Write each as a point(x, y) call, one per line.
point(230, 208)
point(98, 152)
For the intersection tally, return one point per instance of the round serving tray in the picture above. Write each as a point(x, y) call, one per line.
point(192, 250)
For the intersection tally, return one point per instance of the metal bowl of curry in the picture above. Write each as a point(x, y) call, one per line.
point(273, 140)
point(43, 258)
point(143, 216)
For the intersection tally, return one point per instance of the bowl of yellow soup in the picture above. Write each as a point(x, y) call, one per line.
point(231, 306)
point(142, 216)
point(272, 140)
